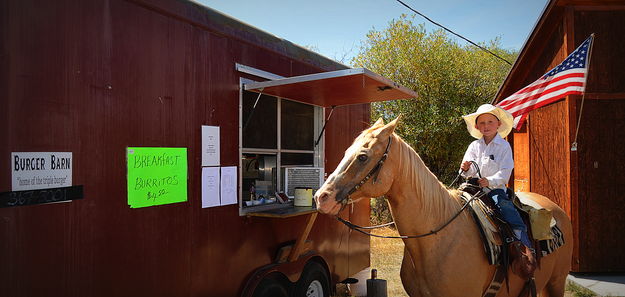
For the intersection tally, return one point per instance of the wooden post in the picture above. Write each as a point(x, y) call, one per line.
point(299, 244)
point(376, 287)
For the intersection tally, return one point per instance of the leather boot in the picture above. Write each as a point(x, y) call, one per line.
point(523, 260)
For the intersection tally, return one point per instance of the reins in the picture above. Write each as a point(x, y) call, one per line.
point(432, 232)
point(375, 170)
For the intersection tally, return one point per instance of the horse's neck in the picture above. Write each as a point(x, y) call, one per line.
point(417, 194)
point(420, 204)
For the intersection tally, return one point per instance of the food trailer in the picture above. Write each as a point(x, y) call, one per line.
point(154, 148)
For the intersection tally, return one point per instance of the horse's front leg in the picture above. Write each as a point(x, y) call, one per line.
point(408, 275)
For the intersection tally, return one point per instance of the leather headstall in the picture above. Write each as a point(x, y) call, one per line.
point(375, 170)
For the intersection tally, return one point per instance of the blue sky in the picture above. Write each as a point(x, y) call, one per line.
point(336, 28)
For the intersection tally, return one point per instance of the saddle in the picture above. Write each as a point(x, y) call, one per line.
point(540, 222)
point(501, 246)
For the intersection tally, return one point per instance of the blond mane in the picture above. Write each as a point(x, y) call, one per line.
point(433, 197)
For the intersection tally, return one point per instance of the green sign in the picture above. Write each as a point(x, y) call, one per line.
point(156, 176)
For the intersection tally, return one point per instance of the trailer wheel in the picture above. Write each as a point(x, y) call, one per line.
point(270, 287)
point(314, 282)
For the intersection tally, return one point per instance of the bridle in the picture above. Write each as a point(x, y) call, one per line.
point(375, 170)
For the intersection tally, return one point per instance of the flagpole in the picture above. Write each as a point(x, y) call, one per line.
point(581, 108)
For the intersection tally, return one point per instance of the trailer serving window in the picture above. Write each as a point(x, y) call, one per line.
point(276, 134)
point(281, 119)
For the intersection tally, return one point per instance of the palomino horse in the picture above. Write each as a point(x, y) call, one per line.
point(451, 262)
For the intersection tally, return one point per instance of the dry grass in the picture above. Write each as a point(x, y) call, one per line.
point(575, 290)
point(386, 256)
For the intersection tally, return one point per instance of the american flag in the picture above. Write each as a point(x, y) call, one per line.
point(568, 78)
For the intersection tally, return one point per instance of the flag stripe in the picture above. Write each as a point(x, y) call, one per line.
point(522, 115)
point(537, 96)
point(568, 78)
point(547, 100)
point(544, 82)
point(556, 95)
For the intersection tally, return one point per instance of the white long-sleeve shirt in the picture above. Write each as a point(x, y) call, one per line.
point(495, 161)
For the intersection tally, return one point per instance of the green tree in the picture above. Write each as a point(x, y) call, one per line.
point(450, 79)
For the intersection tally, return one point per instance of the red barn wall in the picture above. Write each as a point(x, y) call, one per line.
point(600, 161)
point(589, 194)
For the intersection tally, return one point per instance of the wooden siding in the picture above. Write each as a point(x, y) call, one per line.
point(94, 77)
point(548, 153)
point(606, 66)
point(601, 198)
point(522, 173)
point(547, 132)
point(601, 130)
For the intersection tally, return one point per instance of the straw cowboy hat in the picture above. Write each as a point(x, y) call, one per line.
point(504, 117)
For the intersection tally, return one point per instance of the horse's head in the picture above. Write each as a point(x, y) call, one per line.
point(361, 173)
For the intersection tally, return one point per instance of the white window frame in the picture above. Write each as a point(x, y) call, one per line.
point(318, 152)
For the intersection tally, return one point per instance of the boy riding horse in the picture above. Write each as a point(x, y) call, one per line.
point(493, 164)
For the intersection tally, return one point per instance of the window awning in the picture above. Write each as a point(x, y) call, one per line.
point(341, 87)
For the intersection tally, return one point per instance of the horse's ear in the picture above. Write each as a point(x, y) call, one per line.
point(379, 122)
point(394, 122)
point(389, 128)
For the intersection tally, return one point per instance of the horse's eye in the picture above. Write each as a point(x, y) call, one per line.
point(362, 157)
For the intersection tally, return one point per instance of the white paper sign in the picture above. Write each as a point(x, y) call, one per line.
point(210, 146)
point(210, 187)
point(229, 185)
point(40, 170)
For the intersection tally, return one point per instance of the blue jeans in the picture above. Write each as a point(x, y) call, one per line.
point(509, 213)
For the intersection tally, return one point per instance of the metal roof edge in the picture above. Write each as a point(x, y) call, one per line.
point(333, 88)
point(304, 78)
point(209, 19)
point(328, 74)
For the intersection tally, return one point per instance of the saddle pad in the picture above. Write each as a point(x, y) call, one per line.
point(548, 246)
point(491, 238)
